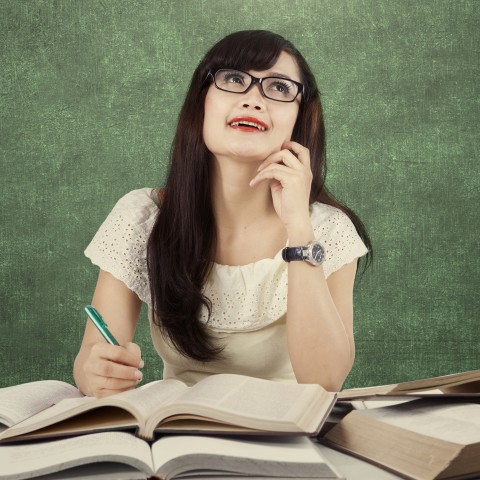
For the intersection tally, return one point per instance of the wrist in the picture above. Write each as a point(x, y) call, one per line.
point(300, 235)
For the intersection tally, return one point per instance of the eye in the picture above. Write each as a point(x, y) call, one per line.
point(232, 76)
point(281, 86)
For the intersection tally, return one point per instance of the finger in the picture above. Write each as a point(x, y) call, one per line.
point(98, 382)
point(105, 392)
point(111, 383)
point(283, 156)
point(107, 369)
point(134, 349)
point(115, 354)
point(277, 172)
point(117, 384)
point(302, 153)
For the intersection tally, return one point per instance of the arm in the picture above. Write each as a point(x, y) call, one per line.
point(319, 311)
point(320, 322)
point(101, 369)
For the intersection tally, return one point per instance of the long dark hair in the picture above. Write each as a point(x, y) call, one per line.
point(182, 244)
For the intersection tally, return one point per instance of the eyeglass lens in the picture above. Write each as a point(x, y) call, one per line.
point(276, 88)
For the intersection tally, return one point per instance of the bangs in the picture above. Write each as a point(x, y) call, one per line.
point(246, 50)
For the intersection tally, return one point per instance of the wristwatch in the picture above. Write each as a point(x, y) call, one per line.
point(313, 253)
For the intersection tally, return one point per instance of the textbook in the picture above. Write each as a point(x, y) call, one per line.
point(22, 401)
point(465, 384)
point(422, 439)
point(218, 404)
point(120, 455)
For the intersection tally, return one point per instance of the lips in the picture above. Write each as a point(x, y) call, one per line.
point(248, 124)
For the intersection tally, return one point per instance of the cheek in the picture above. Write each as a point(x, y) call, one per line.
point(208, 120)
point(287, 124)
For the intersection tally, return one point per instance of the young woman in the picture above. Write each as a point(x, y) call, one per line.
point(246, 262)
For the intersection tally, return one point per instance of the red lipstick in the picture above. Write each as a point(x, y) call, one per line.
point(248, 124)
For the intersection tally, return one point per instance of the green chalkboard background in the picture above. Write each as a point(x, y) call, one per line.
point(89, 95)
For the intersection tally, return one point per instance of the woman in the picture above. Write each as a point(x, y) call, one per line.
point(207, 253)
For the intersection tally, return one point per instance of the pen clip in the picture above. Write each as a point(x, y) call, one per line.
point(92, 311)
point(101, 325)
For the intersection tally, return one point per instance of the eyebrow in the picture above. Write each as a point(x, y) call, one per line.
point(278, 74)
point(274, 74)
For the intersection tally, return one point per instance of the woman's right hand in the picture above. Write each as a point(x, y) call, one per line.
point(101, 369)
point(110, 369)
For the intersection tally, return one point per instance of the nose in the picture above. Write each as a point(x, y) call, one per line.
point(253, 98)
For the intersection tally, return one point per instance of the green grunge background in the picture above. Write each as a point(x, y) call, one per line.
point(89, 95)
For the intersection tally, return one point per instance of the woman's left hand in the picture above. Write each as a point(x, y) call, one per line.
point(290, 182)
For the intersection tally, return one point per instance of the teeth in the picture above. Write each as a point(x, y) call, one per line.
point(250, 124)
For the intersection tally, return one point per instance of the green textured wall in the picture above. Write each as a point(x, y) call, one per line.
point(89, 94)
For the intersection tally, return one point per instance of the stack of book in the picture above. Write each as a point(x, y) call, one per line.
point(224, 426)
point(424, 430)
point(232, 426)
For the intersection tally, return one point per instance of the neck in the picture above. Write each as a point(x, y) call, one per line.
point(237, 205)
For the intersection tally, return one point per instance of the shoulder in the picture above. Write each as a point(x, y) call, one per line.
point(142, 200)
point(137, 209)
point(120, 244)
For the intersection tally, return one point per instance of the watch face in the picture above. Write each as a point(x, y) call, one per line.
point(318, 253)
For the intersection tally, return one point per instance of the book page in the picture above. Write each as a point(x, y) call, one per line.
point(270, 403)
point(48, 457)
point(251, 396)
point(293, 456)
point(441, 382)
point(365, 391)
point(378, 402)
point(22, 401)
point(52, 414)
point(102, 471)
point(137, 402)
point(452, 422)
point(468, 382)
point(149, 397)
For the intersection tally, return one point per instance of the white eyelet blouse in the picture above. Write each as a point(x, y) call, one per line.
point(249, 301)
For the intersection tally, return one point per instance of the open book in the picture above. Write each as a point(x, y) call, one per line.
point(458, 384)
point(421, 439)
point(120, 455)
point(22, 401)
point(218, 404)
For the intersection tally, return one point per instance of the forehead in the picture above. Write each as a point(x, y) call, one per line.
point(284, 66)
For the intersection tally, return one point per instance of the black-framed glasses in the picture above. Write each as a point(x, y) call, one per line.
point(280, 89)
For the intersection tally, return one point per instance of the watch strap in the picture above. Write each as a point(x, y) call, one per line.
point(290, 254)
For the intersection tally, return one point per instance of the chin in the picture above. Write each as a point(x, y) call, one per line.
point(251, 152)
point(250, 155)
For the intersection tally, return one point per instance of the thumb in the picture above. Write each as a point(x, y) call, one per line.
point(134, 349)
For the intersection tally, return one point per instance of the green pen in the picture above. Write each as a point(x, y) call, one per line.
point(99, 322)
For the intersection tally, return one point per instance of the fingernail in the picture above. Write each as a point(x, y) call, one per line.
point(138, 375)
point(141, 364)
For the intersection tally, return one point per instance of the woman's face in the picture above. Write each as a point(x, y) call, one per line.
point(224, 138)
